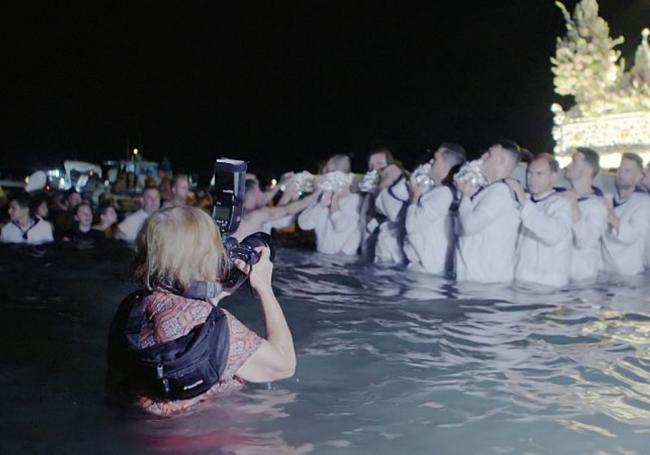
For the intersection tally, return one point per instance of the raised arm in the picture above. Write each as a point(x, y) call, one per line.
point(275, 358)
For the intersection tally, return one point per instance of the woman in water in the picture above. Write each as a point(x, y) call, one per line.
point(107, 221)
point(178, 246)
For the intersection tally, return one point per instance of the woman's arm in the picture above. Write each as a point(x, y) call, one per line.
point(275, 358)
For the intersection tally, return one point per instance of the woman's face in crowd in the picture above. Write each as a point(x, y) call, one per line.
point(16, 212)
point(84, 216)
point(109, 216)
point(377, 161)
point(42, 210)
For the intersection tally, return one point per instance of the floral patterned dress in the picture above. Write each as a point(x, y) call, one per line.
point(170, 316)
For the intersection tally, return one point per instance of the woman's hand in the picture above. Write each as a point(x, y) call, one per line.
point(262, 272)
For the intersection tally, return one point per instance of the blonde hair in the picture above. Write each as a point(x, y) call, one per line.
point(179, 245)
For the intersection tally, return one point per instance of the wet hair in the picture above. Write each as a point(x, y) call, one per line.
point(511, 147)
point(592, 158)
point(550, 159)
point(633, 157)
point(342, 162)
point(454, 154)
point(22, 198)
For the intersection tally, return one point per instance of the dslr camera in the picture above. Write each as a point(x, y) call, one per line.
point(228, 193)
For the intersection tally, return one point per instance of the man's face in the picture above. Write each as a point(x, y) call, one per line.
point(73, 200)
point(16, 212)
point(577, 168)
point(84, 216)
point(181, 189)
point(628, 175)
point(440, 167)
point(150, 201)
point(539, 177)
point(646, 177)
point(377, 161)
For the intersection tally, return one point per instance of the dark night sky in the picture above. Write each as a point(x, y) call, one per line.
point(281, 84)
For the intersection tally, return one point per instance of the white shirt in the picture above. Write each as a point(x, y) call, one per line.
point(37, 233)
point(390, 202)
point(586, 256)
point(338, 231)
point(544, 242)
point(430, 232)
point(624, 250)
point(488, 224)
point(128, 229)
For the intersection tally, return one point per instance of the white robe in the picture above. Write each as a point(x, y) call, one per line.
point(430, 231)
point(544, 242)
point(336, 232)
point(39, 232)
point(586, 256)
point(624, 250)
point(128, 229)
point(487, 232)
point(390, 202)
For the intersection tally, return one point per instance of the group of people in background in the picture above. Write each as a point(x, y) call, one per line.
point(39, 218)
point(529, 229)
point(527, 220)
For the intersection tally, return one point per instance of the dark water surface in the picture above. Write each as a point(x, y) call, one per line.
point(389, 361)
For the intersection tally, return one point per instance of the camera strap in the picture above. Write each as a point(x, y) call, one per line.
point(203, 290)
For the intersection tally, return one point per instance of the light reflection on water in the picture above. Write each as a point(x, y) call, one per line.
point(389, 361)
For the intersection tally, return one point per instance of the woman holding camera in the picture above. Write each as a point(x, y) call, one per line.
point(176, 247)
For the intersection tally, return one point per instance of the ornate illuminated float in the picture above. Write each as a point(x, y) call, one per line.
point(611, 113)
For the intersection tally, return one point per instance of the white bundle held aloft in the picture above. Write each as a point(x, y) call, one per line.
point(472, 172)
point(423, 176)
point(369, 182)
point(335, 182)
point(305, 181)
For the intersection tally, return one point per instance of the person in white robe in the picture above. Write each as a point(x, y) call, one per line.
point(488, 220)
point(335, 218)
point(624, 243)
point(544, 242)
point(23, 226)
point(589, 214)
point(129, 228)
point(378, 159)
point(390, 206)
point(430, 239)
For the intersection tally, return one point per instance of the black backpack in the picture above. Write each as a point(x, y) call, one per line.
point(177, 369)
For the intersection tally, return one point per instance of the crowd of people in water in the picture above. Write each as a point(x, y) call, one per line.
point(548, 226)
